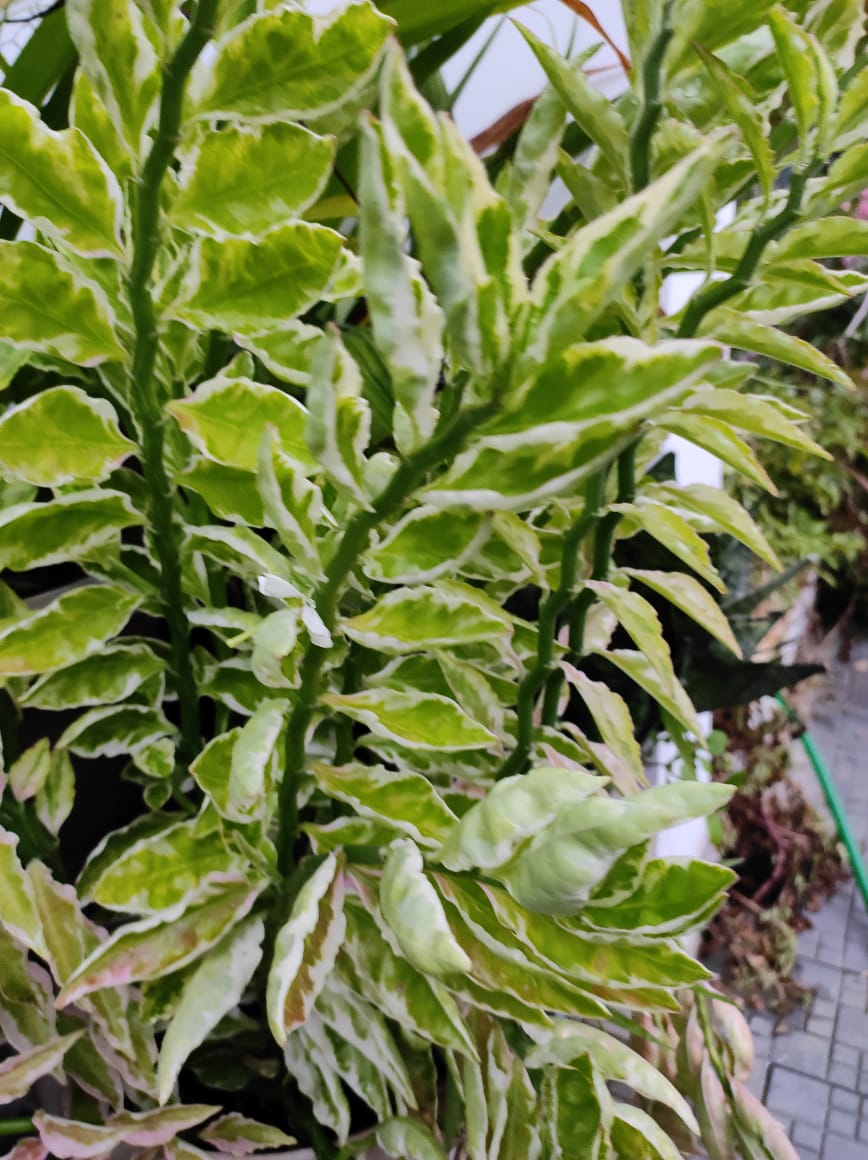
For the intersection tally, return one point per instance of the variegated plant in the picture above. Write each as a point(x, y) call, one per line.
point(301, 399)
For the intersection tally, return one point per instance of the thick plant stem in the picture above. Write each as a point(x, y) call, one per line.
point(652, 106)
point(16, 1127)
point(146, 396)
point(550, 610)
point(449, 436)
point(716, 293)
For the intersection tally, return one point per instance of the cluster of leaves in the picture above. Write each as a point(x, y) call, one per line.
point(823, 512)
point(787, 861)
point(373, 871)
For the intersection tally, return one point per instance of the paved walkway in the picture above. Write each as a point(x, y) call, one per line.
point(814, 1078)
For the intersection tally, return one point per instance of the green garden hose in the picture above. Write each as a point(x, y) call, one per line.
point(833, 801)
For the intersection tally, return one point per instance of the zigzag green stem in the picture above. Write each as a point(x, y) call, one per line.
point(550, 610)
point(448, 438)
point(716, 293)
point(652, 106)
point(146, 398)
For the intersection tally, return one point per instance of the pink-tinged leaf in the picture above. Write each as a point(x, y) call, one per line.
point(19, 913)
point(26, 1010)
point(72, 1140)
point(212, 990)
point(306, 948)
point(31, 1149)
point(159, 945)
point(238, 1136)
point(20, 1072)
point(70, 937)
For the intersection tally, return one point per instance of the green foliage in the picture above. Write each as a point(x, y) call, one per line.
point(330, 837)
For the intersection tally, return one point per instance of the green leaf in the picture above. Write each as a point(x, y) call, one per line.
point(246, 180)
point(27, 1012)
point(407, 322)
point(576, 284)
point(80, 327)
point(733, 328)
point(19, 913)
point(77, 1140)
point(670, 696)
point(113, 730)
point(61, 436)
point(754, 415)
point(671, 897)
point(113, 675)
point(253, 764)
point(56, 796)
point(72, 627)
point(428, 616)
point(719, 512)
point(213, 989)
point(90, 116)
point(831, 237)
point(339, 421)
point(237, 1135)
point(420, 1005)
point(798, 54)
point(692, 598)
point(615, 1060)
point(602, 387)
point(288, 352)
point(462, 227)
point(525, 183)
point(288, 65)
point(788, 290)
point(414, 912)
point(69, 528)
point(742, 106)
point(403, 799)
point(613, 721)
point(117, 54)
point(57, 181)
point(227, 418)
point(425, 544)
point(292, 503)
point(852, 119)
point(158, 945)
point(316, 1077)
point(158, 871)
point(20, 1072)
point(408, 1139)
point(673, 531)
point(423, 720)
point(250, 286)
point(555, 873)
point(594, 113)
point(575, 1106)
point(229, 492)
point(719, 439)
point(306, 948)
point(640, 621)
point(513, 810)
point(30, 769)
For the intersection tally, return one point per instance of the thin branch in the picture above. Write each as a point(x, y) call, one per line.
point(652, 106)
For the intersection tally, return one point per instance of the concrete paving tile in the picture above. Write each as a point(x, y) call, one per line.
point(845, 1100)
point(843, 1123)
point(808, 1135)
point(837, 1147)
point(852, 1028)
point(822, 977)
point(824, 1028)
point(802, 1052)
point(843, 1075)
point(792, 1094)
